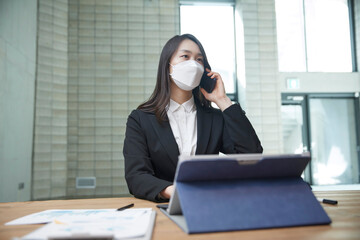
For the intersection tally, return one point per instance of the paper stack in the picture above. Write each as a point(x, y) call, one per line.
point(134, 223)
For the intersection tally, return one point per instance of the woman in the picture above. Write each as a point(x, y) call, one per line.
point(178, 119)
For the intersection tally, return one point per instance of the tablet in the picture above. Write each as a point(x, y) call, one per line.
point(235, 166)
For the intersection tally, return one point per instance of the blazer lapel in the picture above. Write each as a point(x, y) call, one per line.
point(204, 124)
point(166, 137)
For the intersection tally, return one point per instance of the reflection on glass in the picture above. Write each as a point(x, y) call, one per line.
point(292, 123)
point(333, 142)
point(214, 27)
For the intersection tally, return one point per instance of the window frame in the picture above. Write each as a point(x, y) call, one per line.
point(351, 6)
point(291, 99)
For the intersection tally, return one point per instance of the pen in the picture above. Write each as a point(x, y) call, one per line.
point(328, 201)
point(125, 207)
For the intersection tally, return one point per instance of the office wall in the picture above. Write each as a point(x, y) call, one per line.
point(50, 129)
point(259, 85)
point(97, 60)
point(114, 49)
point(17, 86)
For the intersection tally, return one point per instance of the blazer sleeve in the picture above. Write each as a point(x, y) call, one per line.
point(239, 135)
point(139, 171)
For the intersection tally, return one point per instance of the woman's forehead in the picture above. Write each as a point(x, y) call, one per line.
point(189, 46)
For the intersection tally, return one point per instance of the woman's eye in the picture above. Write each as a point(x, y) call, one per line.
point(184, 56)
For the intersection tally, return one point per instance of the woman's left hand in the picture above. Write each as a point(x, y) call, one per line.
point(218, 95)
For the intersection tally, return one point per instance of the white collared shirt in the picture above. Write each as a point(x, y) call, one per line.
point(183, 124)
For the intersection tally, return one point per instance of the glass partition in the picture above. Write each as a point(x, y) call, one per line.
point(333, 141)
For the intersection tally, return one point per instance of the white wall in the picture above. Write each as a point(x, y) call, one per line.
point(50, 127)
point(256, 22)
point(17, 84)
point(322, 82)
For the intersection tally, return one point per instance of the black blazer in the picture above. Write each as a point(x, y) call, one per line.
point(151, 152)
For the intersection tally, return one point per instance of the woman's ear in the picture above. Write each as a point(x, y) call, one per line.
point(170, 68)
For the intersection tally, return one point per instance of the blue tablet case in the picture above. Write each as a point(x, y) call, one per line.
point(245, 191)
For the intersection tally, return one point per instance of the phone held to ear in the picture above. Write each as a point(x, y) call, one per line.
point(207, 83)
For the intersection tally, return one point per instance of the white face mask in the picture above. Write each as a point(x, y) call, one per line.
point(187, 75)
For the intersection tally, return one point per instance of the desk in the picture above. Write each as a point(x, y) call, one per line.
point(345, 219)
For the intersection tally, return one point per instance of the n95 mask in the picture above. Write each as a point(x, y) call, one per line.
point(187, 75)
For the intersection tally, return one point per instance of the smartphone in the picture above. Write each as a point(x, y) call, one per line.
point(207, 83)
point(162, 206)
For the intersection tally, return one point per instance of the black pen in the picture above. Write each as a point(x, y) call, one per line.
point(328, 201)
point(125, 207)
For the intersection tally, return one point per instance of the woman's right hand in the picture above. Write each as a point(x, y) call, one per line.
point(218, 95)
point(167, 192)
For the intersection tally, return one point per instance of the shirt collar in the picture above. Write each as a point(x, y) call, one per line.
point(189, 105)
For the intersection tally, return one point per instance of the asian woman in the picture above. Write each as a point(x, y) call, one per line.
point(178, 119)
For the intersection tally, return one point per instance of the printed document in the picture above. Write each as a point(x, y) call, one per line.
point(90, 223)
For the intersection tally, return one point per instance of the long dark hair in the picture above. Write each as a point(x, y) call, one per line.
point(160, 98)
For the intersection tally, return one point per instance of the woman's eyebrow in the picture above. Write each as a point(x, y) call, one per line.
point(188, 51)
